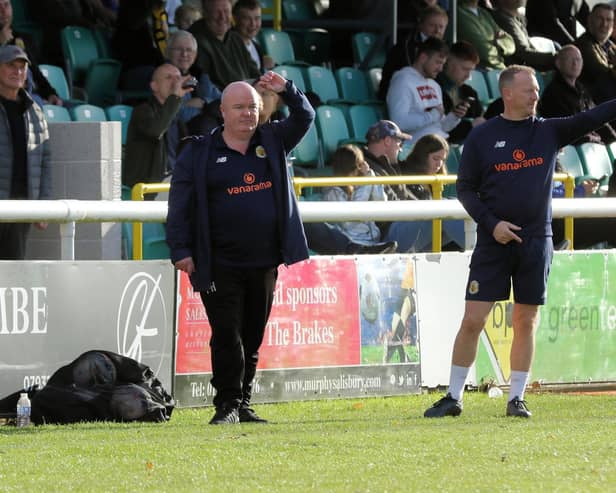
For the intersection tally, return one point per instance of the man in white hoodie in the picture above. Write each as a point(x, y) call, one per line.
point(415, 99)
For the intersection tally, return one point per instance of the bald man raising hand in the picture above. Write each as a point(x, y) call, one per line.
point(232, 220)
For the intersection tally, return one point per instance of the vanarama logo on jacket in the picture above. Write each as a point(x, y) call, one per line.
point(519, 161)
point(250, 185)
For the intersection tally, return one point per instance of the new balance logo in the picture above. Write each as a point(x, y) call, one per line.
point(499, 143)
point(221, 159)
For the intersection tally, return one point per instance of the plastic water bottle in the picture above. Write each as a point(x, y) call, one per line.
point(495, 392)
point(23, 410)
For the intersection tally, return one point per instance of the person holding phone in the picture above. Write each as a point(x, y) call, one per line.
point(458, 96)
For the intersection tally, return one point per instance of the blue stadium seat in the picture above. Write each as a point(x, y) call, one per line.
point(363, 44)
point(88, 113)
point(120, 113)
point(332, 127)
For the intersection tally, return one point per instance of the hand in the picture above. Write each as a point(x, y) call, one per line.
point(53, 99)
point(186, 265)
point(177, 88)
point(461, 108)
point(195, 103)
point(272, 82)
point(504, 232)
point(590, 186)
point(41, 226)
point(438, 108)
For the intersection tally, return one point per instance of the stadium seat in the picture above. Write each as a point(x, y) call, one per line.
point(353, 85)
point(307, 153)
point(375, 75)
point(294, 73)
point(298, 10)
point(570, 161)
point(332, 128)
point(101, 84)
point(596, 161)
point(362, 117)
point(88, 113)
point(267, 10)
point(363, 44)
point(120, 113)
point(154, 241)
point(55, 113)
point(322, 82)
point(277, 44)
point(492, 76)
point(87, 68)
point(478, 82)
point(56, 78)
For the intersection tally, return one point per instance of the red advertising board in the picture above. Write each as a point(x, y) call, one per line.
point(314, 321)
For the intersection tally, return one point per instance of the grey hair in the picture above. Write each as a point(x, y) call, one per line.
point(177, 35)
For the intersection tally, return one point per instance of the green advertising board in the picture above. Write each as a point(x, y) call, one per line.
point(576, 336)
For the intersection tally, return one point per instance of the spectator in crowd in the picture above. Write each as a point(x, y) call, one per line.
point(140, 41)
point(247, 16)
point(232, 244)
point(185, 16)
point(182, 52)
point(556, 19)
point(54, 15)
point(348, 161)
point(461, 61)
point(384, 142)
point(153, 124)
point(431, 23)
point(415, 100)
point(565, 95)
point(25, 164)
point(511, 21)
point(599, 53)
point(222, 53)
point(428, 157)
point(37, 85)
point(476, 25)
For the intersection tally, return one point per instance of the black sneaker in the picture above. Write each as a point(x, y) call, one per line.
point(447, 406)
point(225, 416)
point(247, 415)
point(517, 408)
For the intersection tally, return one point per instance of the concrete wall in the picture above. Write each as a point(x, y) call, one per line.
point(87, 165)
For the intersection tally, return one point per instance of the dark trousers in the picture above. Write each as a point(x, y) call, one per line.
point(13, 240)
point(238, 311)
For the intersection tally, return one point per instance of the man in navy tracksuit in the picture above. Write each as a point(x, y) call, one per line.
point(232, 220)
point(505, 184)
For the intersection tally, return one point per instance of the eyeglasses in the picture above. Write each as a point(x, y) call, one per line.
point(183, 50)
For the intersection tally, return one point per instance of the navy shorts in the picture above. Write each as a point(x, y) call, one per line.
point(495, 268)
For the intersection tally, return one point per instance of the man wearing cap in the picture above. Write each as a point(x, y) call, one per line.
point(25, 171)
point(384, 143)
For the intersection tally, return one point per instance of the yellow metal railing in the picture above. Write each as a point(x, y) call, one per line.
point(276, 11)
point(437, 182)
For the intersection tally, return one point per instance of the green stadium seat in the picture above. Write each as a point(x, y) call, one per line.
point(491, 77)
point(570, 161)
point(120, 113)
point(55, 113)
point(298, 10)
point(101, 84)
point(362, 117)
point(308, 153)
point(478, 82)
point(322, 82)
point(375, 74)
point(88, 113)
point(353, 85)
point(56, 78)
point(363, 43)
point(277, 44)
point(294, 73)
point(596, 161)
point(332, 128)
